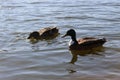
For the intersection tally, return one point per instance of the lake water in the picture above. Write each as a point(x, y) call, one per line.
point(48, 60)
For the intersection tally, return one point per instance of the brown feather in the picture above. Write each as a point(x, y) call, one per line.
point(88, 43)
point(45, 33)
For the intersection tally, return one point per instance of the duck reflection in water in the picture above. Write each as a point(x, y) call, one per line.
point(83, 46)
point(76, 53)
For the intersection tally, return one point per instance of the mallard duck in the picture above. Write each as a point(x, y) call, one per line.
point(83, 46)
point(83, 43)
point(45, 33)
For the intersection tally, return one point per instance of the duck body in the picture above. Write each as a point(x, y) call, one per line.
point(45, 33)
point(83, 46)
point(83, 43)
point(87, 43)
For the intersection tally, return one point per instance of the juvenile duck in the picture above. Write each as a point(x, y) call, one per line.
point(83, 46)
point(45, 33)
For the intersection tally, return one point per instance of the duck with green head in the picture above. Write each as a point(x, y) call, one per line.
point(84, 45)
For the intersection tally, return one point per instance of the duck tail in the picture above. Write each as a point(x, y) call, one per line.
point(104, 39)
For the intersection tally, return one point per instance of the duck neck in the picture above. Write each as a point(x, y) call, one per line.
point(74, 39)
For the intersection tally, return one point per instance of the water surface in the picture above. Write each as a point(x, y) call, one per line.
point(48, 60)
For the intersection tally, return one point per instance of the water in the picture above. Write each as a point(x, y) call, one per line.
point(21, 60)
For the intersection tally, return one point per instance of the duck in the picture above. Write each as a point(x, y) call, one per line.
point(84, 45)
point(44, 33)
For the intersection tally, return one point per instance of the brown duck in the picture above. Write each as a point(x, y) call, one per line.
point(45, 33)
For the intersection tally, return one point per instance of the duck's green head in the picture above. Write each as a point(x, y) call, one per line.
point(34, 35)
point(70, 32)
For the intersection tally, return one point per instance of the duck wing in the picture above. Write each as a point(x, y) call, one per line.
point(48, 32)
point(86, 39)
point(91, 42)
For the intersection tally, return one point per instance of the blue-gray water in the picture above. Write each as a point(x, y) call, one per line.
point(48, 60)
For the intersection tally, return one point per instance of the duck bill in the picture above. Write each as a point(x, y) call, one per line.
point(28, 37)
point(33, 40)
point(64, 35)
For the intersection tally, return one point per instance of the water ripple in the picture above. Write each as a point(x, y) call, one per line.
point(48, 60)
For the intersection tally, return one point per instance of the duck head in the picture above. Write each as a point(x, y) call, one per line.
point(71, 33)
point(34, 35)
